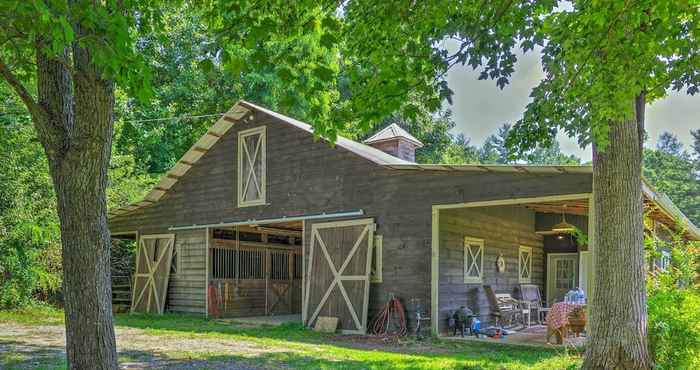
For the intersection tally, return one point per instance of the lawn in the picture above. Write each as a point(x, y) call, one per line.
point(202, 343)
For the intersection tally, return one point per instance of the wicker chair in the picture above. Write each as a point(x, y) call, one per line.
point(504, 308)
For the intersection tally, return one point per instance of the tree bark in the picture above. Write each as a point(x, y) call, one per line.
point(77, 138)
point(618, 310)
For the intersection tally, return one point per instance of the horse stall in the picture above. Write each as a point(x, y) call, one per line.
point(255, 270)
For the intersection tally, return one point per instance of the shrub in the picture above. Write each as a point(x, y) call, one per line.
point(28, 260)
point(674, 304)
point(674, 329)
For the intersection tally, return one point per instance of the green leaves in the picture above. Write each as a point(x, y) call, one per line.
point(294, 42)
point(600, 56)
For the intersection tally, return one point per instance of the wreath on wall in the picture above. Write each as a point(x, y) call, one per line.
point(500, 263)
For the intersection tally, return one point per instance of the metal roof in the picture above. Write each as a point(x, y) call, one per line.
point(391, 132)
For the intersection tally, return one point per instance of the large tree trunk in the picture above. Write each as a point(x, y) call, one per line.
point(618, 312)
point(77, 136)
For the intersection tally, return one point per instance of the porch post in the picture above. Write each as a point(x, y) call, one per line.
point(435, 277)
point(207, 256)
point(590, 279)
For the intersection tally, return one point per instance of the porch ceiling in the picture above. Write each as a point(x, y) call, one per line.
point(652, 208)
point(571, 207)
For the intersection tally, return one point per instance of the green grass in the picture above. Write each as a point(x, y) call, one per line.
point(293, 346)
point(33, 315)
point(301, 348)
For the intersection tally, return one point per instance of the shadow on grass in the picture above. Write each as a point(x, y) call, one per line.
point(18, 355)
point(302, 348)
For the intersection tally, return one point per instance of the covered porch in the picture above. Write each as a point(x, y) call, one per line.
point(491, 249)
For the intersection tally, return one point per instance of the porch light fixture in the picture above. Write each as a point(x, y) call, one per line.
point(563, 227)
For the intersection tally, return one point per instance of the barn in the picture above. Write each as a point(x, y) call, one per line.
point(260, 218)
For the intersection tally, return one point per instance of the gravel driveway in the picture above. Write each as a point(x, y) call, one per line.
point(29, 347)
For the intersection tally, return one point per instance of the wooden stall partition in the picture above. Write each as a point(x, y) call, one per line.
point(255, 279)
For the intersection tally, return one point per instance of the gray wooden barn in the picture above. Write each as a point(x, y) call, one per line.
point(259, 218)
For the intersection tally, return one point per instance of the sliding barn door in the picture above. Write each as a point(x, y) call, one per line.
point(153, 259)
point(338, 273)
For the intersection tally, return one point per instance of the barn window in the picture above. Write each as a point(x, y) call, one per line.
point(525, 264)
point(251, 167)
point(473, 260)
point(376, 268)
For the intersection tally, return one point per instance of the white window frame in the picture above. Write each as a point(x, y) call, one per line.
point(470, 264)
point(524, 264)
point(244, 154)
point(377, 249)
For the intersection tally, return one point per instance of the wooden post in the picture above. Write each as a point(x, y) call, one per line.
point(290, 279)
point(435, 277)
point(267, 269)
point(207, 254)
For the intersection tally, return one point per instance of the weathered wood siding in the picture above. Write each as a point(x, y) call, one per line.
point(186, 290)
point(305, 176)
point(504, 230)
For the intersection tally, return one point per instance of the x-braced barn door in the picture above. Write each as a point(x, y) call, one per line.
point(337, 282)
point(153, 258)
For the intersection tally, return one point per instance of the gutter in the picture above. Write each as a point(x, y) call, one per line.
point(319, 216)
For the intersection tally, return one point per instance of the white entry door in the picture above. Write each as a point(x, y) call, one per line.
point(562, 275)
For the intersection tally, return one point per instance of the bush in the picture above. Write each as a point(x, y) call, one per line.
point(674, 328)
point(29, 265)
point(674, 305)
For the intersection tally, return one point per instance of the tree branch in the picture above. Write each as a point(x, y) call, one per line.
point(34, 108)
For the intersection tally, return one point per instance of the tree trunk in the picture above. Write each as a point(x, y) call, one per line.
point(77, 140)
point(618, 311)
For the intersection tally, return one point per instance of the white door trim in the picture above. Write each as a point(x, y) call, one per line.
point(550, 271)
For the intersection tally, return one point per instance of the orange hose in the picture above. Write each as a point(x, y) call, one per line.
point(393, 311)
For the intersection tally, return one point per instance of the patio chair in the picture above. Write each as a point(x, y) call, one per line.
point(531, 297)
point(504, 308)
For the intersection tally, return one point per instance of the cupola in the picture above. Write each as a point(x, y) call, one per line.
point(395, 141)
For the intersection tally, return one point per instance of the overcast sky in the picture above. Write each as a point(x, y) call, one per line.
point(480, 107)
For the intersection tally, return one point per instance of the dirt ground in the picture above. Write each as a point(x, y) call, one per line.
point(44, 347)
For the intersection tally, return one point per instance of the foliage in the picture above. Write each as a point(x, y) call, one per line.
point(296, 42)
point(107, 30)
point(600, 56)
point(673, 171)
point(433, 130)
point(674, 329)
point(674, 303)
point(127, 184)
point(494, 149)
point(30, 249)
point(29, 237)
point(441, 146)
